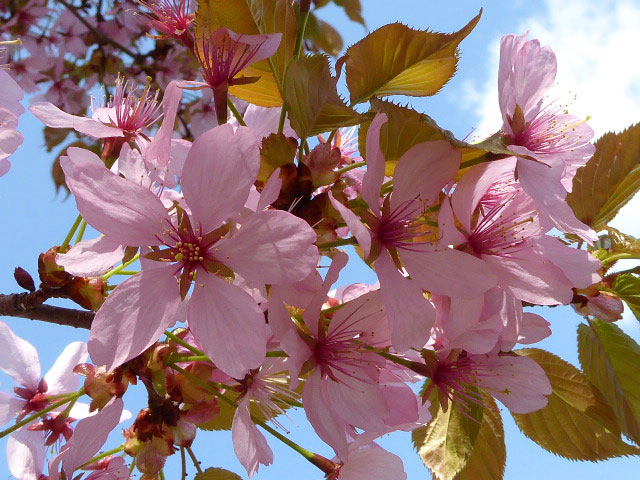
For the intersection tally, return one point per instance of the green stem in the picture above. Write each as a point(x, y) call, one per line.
point(71, 397)
point(351, 167)
point(235, 112)
point(70, 235)
point(121, 267)
point(277, 353)
point(83, 227)
point(127, 272)
point(183, 459)
point(190, 358)
point(194, 459)
point(339, 243)
point(106, 454)
point(387, 187)
point(162, 477)
point(180, 341)
point(332, 136)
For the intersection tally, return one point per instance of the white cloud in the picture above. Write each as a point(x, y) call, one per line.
point(597, 46)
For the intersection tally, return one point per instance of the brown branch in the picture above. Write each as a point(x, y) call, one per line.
point(29, 305)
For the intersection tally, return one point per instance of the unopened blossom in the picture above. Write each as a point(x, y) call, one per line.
point(196, 245)
point(395, 236)
point(551, 144)
point(10, 110)
point(127, 115)
point(223, 54)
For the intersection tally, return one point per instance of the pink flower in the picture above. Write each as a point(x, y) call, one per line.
point(396, 236)
point(127, 115)
point(10, 111)
point(171, 18)
point(351, 386)
point(270, 247)
point(260, 388)
point(19, 359)
point(224, 54)
point(90, 435)
point(556, 143)
point(517, 381)
point(500, 225)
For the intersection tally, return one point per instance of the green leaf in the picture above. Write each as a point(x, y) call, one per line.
point(611, 360)
point(609, 180)
point(405, 128)
point(323, 36)
point(353, 9)
point(627, 287)
point(254, 17)
point(397, 60)
point(217, 474)
point(276, 151)
point(312, 99)
point(577, 423)
point(446, 444)
point(489, 455)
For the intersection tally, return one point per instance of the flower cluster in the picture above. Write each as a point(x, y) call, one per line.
point(228, 310)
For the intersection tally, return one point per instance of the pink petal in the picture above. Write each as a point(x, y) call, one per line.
point(549, 195)
point(123, 210)
point(78, 156)
point(264, 121)
point(249, 443)
point(372, 181)
point(474, 184)
point(134, 316)
point(60, 377)
point(531, 279)
point(329, 428)
point(579, 266)
point(362, 233)
point(312, 312)
point(90, 435)
point(410, 314)
point(19, 359)
point(235, 338)
point(449, 232)
point(9, 407)
point(533, 329)
point(53, 117)
point(518, 382)
point(11, 94)
point(271, 247)
point(365, 314)
point(267, 44)
point(526, 72)
point(158, 152)
point(286, 333)
point(218, 173)
point(26, 454)
point(357, 401)
point(423, 171)
point(372, 462)
point(440, 272)
point(91, 258)
point(271, 191)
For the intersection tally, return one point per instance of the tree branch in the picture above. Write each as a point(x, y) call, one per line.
point(29, 305)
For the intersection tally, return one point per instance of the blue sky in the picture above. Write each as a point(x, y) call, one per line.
point(598, 65)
